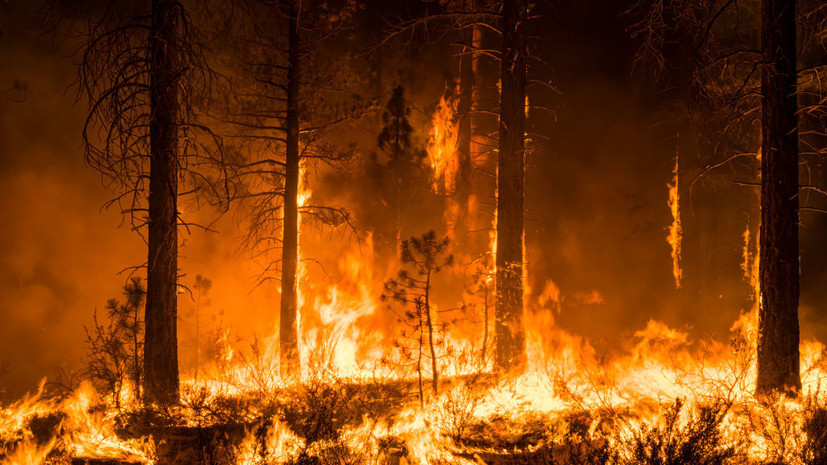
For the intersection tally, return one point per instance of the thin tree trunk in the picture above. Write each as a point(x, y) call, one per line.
point(288, 332)
point(510, 331)
point(434, 374)
point(485, 325)
point(463, 182)
point(778, 330)
point(419, 360)
point(136, 354)
point(161, 338)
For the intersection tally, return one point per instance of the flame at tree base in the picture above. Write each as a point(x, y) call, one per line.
point(569, 401)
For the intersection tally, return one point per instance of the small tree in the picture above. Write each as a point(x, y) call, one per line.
point(404, 159)
point(115, 350)
point(424, 257)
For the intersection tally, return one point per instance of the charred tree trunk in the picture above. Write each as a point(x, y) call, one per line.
point(510, 331)
point(161, 338)
point(288, 332)
point(778, 330)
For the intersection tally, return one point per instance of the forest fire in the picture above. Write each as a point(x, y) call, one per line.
point(350, 241)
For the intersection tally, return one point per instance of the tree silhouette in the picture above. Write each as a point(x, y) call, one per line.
point(141, 68)
point(424, 257)
point(115, 349)
point(404, 168)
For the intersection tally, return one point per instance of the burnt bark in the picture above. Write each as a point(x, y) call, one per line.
point(510, 330)
point(288, 331)
point(161, 338)
point(778, 327)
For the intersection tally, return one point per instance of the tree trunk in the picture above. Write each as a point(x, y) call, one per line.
point(434, 373)
point(136, 355)
point(419, 359)
point(778, 337)
point(161, 338)
point(463, 181)
point(510, 331)
point(288, 332)
point(485, 324)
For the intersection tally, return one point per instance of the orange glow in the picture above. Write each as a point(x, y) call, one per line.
point(442, 146)
point(675, 232)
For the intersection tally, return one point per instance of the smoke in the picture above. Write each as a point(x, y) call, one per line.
point(59, 254)
point(597, 212)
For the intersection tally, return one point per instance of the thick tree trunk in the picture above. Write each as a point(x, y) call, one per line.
point(161, 338)
point(510, 330)
point(778, 337)
point(288, 332)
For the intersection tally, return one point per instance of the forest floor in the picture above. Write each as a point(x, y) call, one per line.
point(334, 422)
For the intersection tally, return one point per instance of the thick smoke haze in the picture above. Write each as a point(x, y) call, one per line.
point(60, 253)
point(597, 213)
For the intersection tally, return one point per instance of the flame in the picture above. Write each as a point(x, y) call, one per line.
point(442, 146)
point(675, 232)
point(346, 337)
point(279, 442)
point(83, 426)
point(303, 197)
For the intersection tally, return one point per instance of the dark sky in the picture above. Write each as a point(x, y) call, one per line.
point(596, 201)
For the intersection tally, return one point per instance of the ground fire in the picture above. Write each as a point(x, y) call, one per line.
point(415, 232)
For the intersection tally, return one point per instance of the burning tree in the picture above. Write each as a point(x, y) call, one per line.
point(509, 18)
point(282, 117)
point(425, 256)
point(510, 329)
point(716, 71)
point(468, 72)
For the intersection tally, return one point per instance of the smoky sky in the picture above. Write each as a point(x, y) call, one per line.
point(596, 199)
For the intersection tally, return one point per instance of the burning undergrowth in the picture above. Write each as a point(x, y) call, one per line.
point(667, 401)
point(365, 396)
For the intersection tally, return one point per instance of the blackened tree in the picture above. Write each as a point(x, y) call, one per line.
point(140, 69)
point(778, 332)
point(509, 326)
point(729, 74)
point(510, 18)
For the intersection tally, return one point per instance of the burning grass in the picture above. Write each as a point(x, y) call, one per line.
point(658, 405)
